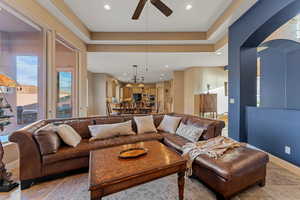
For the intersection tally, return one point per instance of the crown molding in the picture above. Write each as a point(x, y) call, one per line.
point(150, 48)
point(64, 8)
point(148, 36)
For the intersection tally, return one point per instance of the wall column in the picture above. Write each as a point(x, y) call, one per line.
point(51, 75)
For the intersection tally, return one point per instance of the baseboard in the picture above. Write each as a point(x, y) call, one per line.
point(282, 163)
point(285, 164)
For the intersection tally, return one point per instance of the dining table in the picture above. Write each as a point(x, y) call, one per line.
point(133, 110)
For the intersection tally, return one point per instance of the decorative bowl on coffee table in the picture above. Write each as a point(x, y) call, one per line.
point(133, 153)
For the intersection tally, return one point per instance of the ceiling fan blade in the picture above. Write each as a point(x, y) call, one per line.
point(139, 9)
point(162, 7)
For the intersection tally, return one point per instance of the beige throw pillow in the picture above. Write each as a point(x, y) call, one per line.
point(169, 124)
point(145, 124)
point(105, 131)
point(68, 135)
point(189, 132)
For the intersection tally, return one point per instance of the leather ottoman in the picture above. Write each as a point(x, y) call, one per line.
point(234, 172)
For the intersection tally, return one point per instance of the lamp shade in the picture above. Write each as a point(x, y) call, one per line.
point(7, 81)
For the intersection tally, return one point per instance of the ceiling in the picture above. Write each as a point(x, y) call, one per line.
point(119, 65)
point(10, 23)
point(200, 18)
point(119, 17)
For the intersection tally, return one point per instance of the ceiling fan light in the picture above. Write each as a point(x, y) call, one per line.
point(107, 7)
point(188, 7)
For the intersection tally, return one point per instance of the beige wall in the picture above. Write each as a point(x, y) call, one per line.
point(97, 93)
point(196, 80)
point(178, 91)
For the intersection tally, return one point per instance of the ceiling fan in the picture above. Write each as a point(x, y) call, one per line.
point(157, 3)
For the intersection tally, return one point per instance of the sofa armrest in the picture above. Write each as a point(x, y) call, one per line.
point(30, 156)
point(208, 133)
point(219, 125)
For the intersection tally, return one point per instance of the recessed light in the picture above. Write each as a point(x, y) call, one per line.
point(107, 7)
point(188, 7)
point(219, 53)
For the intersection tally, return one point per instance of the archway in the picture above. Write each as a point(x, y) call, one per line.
point(245, 35)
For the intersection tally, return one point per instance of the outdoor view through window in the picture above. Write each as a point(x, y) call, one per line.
point(21, 58)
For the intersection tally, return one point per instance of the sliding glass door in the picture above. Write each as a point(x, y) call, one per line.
point(22, 49)
point(27, 96)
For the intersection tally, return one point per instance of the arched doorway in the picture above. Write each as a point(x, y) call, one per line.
point(244, 37)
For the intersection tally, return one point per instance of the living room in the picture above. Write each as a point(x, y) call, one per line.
point(149, 99)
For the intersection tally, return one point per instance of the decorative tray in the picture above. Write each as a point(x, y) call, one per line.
point(133, 153)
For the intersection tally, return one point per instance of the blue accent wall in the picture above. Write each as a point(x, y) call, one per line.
point(272, 79)
point(245, 35)
point(267, 128)
point(293, 80)
point(273, 129)
point(280, 72)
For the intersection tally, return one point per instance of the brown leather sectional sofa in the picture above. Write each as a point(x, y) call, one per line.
point(226, 178)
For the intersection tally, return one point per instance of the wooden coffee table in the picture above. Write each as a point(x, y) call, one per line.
point(109, 174)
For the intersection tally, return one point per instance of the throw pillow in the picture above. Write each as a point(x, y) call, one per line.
point(48, 141)
point(189, 132)
point(68, 135)
point(105, 131)
point(169, 124)
point(145, 124)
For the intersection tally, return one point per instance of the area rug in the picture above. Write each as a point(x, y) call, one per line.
point(280, 185)
point(161, 189)
point(278, 179)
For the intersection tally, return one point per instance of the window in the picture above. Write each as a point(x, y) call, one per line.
point(64, 102)
point(27, 96)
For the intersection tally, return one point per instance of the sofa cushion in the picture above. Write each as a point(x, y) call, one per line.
point(109, 120)
point(145, 124)
point(84, 148)
point(79, 125)
point(189, 132)
point(209, 125)
point(156, 118)
point(68, 135)
point(169, 124)
point(174, 141)
point(48, 141)
point(234, 163)
point(105, 131)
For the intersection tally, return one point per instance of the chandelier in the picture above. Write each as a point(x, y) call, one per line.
point(136, 79)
